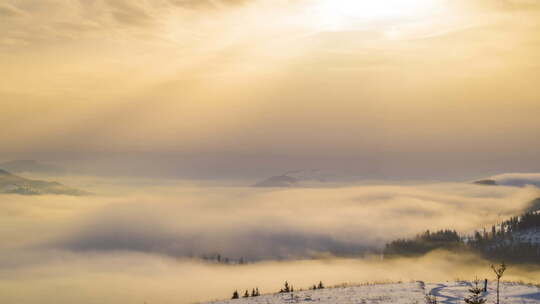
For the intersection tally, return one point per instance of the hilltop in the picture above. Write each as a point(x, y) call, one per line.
point(14, 184)
point(511, 180)
point(30, 166)
point(397, 293)
point(278, 181)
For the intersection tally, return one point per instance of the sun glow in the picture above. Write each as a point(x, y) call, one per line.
point(343, 14)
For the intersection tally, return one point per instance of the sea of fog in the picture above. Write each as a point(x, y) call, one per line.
point(137, 241)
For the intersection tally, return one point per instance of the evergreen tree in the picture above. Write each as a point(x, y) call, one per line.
point(475, 297)
point(246, 294)
point(431, 299)
point(321, 286)
point(235, 295)
point(253, 294)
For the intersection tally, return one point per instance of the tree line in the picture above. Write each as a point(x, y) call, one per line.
point(220, 259)
point(287, 288)
point(502, 242)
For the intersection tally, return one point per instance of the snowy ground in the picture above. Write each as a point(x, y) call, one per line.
point(511, 293)
point(406, 293)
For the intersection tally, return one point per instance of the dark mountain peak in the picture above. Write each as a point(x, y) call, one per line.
point(23, 161)
point(14, 184)
point(486, 182)
point(30, 165)
point(278, 181)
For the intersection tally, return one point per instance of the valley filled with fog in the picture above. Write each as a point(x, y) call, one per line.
point(136, 240)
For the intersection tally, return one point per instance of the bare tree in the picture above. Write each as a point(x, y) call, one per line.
point(499, 271)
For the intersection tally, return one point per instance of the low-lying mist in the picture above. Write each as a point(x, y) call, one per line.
point(141, 241)
point(127, 277)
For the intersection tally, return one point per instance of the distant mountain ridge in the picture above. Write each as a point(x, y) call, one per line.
point(511, 179)
point(278, 181)
point(30, 166)
point(305, 178)
point(486, 182)
point(14, 184)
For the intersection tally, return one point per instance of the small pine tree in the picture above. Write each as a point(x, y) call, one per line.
point(287, 288)
point(235, 295)
point(257, 293)
point(431, 299)
point(246, 294)
point(475, 297)
point(314, 287)
point(321, 286)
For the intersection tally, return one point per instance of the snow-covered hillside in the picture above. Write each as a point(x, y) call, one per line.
point(511, 293)
point(405, 293)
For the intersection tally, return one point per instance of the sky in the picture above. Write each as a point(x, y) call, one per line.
point(247, 88)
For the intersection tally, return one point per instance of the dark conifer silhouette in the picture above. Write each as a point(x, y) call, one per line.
point(320, 286)
point(504, 242)
point(235, 295)
point(287, 288)
point(431, 299)
point(246, 294)
point(475, 297)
